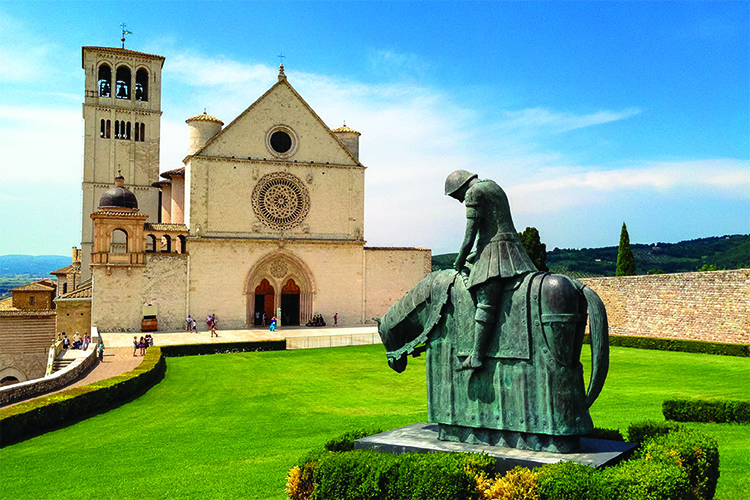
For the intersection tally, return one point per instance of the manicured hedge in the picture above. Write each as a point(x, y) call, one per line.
point(671, 463)
point(46, 413)
point(222, 348)
point(706, 410)
point(694, 346)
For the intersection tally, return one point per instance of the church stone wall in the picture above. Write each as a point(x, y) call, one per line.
point(73, 315)
point(25, 341)
point(390, 273)
point(222, 277)
point(709, 306)
point(119, 299)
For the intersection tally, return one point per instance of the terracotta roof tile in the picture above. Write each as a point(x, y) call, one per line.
point(33, 287)
point(64, 270)
point(204, 117)
point(83, 292)
point(178, 172)
point(149, 226)
point(123, 52)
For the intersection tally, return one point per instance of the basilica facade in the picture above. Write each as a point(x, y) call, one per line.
point(265, 216)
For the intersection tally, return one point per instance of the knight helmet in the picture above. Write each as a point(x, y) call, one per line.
point(456, 180)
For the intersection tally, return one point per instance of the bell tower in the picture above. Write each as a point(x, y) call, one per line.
point(122, 120)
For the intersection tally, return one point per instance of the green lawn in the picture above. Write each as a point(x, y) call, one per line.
point(231, 425)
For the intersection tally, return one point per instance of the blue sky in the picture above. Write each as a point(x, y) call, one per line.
point(588, 113)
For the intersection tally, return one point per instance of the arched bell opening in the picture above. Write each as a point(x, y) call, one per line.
point(118, 242)
point(150, 243)
point(141, 85)
point(123, 82)
point(104, 80)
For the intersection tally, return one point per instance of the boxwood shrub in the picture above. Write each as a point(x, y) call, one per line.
point(694, 346)
point(639, 432)
point(706, 410)
point(672, 463)
point(46, 413)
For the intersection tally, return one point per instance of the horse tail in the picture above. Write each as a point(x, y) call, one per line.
point(599, 329)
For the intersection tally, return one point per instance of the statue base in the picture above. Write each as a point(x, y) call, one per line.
point(423, 438)
point(509, 439)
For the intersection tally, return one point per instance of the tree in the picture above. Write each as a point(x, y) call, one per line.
point(536, 250)
point(625, 258)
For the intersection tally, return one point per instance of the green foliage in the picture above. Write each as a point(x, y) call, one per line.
point(639, 432)
point(171, 351)
point(366, 474)
point(694, 346)
point(607, 434)
point(625, 257)
point(569, 481)
point(707, 410)
point(655, 271)
point(39, 415)
point(534, 247)
point(345, 442)
point(695, 453)
point(707, 267)
point(645, 480)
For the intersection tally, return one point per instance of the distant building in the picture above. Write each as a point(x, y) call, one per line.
point(265, 216)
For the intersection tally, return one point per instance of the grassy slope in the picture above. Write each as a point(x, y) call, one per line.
point(230, 426)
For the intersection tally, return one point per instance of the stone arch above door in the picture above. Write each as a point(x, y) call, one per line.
point(278, 268)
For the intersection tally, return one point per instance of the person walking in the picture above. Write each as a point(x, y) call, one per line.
point(101, 352)
point(135, 345)
point(189, 323)
point(194, 326)
point(336, 319)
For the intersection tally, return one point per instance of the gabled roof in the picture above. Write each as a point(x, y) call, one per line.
point(64, 270)
point(261, 98)
point(34, 287)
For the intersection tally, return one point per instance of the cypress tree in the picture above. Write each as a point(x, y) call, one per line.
point(625, 258)
point(536, 250)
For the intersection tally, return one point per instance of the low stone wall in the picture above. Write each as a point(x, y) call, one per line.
point(709, 306)
point(24, 390)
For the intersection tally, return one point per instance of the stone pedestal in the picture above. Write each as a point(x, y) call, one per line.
point(423, 438)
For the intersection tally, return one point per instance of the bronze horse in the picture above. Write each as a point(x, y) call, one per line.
point(530, 392)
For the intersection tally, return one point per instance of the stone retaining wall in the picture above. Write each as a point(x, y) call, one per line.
point(709, 306)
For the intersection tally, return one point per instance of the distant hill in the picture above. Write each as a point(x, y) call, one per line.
point(38, 266)
point(725, 252)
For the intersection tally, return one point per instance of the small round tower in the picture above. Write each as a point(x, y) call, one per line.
point(349, 138)
point(202, 128)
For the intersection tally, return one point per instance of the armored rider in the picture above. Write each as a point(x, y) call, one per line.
point(499, 253)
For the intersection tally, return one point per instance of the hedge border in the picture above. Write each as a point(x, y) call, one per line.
point(172, 351)
point(40, 415)
point(716, 410)
point(678, 345)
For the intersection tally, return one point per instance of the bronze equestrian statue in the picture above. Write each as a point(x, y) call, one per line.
point(503, 340)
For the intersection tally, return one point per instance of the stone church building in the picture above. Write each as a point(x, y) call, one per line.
point(265, 216)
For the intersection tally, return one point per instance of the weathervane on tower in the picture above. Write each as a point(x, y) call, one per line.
point(125, 31)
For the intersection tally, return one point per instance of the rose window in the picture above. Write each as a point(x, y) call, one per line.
point(280, 200)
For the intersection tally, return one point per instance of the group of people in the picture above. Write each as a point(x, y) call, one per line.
point(140, 346)
point(78, 342)
point(192, 326)
point(316, 320)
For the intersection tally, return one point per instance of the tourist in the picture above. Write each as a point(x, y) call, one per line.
point(135, 345)
point(213, 330)
point(189, 323)
point(257, 318)
point(194, 326)
point(213, 320)
point(66, 342)
point(336, 319)
point(149, 340)
point(76, 341)
point(86, 342)
point(101, 351)
point(264, 320)
point(273, 324)
point(209, 321)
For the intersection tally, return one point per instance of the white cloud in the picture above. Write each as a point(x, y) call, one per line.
point(545, 120)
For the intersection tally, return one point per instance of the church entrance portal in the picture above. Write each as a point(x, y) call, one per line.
point(290, 303)
point(264, 295)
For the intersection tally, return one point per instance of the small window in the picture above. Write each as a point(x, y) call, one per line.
point(127, 134)
point(117, 129)
point(143, 132)
point(281, 142)
point(109, 129)
point(136, 130)
point(103, 129)
point(31, 300)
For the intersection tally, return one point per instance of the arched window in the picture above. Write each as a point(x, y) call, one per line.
point(117, 129)
point(183, 244)
point(119, 242)
point(105, 81)
point(150, 243)
point(136, 129)
point(166, 244)
point(143, 132)
point(141, 85)
point(109, 129)
point(123, 82)
point(127, 134)
point(103, 129)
